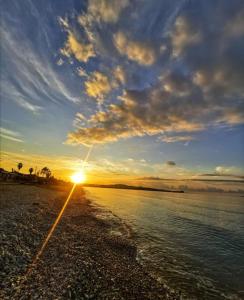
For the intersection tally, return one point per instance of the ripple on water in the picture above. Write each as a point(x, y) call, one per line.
point(191, 242)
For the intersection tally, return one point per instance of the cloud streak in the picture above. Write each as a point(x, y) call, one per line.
point(11, 135)
point(176, 138)
point(29, 78)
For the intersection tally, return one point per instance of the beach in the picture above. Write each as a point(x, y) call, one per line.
point(83, 259)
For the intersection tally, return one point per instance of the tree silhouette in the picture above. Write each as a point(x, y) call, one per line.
point(31, 170)
point(20, 166)
point(45, 171)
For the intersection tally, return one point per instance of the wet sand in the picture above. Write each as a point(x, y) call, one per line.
point(82, 260)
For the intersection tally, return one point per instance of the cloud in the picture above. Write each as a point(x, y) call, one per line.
point(226, 171)
point(98, 86)
point(213, 51)
point(75, 47)
point(221, 175)
point(140, 113)
point(27, 105)
point(221, 170)
point(79, 120)
point(11, 135)
point(153, 178)
point(112, 167)
point(170, 163)
point(120, 74)
point(235, 26)
point(176, 138)
point(141, 52)
point(177, 83)
point(29, 80)
point(194, 70)
point(183, 35)
point(157, 110)
point(60, 62)
point(82, 72)
point(107, 11)
point(11, 138)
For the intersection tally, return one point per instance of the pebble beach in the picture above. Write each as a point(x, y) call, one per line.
point(83, 258)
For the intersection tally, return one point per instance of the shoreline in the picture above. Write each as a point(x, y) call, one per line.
point(84, 258)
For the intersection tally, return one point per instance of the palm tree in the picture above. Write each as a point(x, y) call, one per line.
point(20, 166)
point(45, 171)
point(31, 170)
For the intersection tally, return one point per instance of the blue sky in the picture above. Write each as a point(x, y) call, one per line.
point(144, 82)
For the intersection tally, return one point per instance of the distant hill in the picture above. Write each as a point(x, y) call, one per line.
point(130, 187)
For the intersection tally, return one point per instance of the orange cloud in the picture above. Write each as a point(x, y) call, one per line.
point(107, 11)
point(74, 46)
point(81, 51)
point(140, 52)
point(98, 85)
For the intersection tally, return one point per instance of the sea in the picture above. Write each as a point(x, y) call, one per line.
point(192, 242)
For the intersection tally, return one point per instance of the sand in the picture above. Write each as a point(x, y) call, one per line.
point(82, 260)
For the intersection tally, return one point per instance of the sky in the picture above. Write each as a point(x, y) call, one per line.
point(154, 87)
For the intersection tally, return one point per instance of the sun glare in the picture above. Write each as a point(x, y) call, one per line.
point(78, 177)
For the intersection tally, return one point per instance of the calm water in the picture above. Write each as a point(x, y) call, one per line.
point(193, 242)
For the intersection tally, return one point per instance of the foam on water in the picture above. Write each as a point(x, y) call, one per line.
point(117, 225)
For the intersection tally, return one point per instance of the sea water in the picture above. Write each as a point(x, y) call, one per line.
point(193, 242)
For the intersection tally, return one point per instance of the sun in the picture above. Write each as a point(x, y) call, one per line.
point(78, 177)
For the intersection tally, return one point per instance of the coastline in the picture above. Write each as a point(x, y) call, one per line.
point(84, 259)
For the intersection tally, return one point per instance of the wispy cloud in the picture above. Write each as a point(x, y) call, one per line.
point(11, 135)
point(29, 78)
point(176, 138)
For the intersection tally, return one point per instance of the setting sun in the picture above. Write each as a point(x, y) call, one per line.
point(78, 177)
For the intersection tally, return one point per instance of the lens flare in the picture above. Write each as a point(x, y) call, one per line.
point(78, 177)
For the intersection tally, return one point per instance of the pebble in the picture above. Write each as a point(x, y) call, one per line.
point(82, 260)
